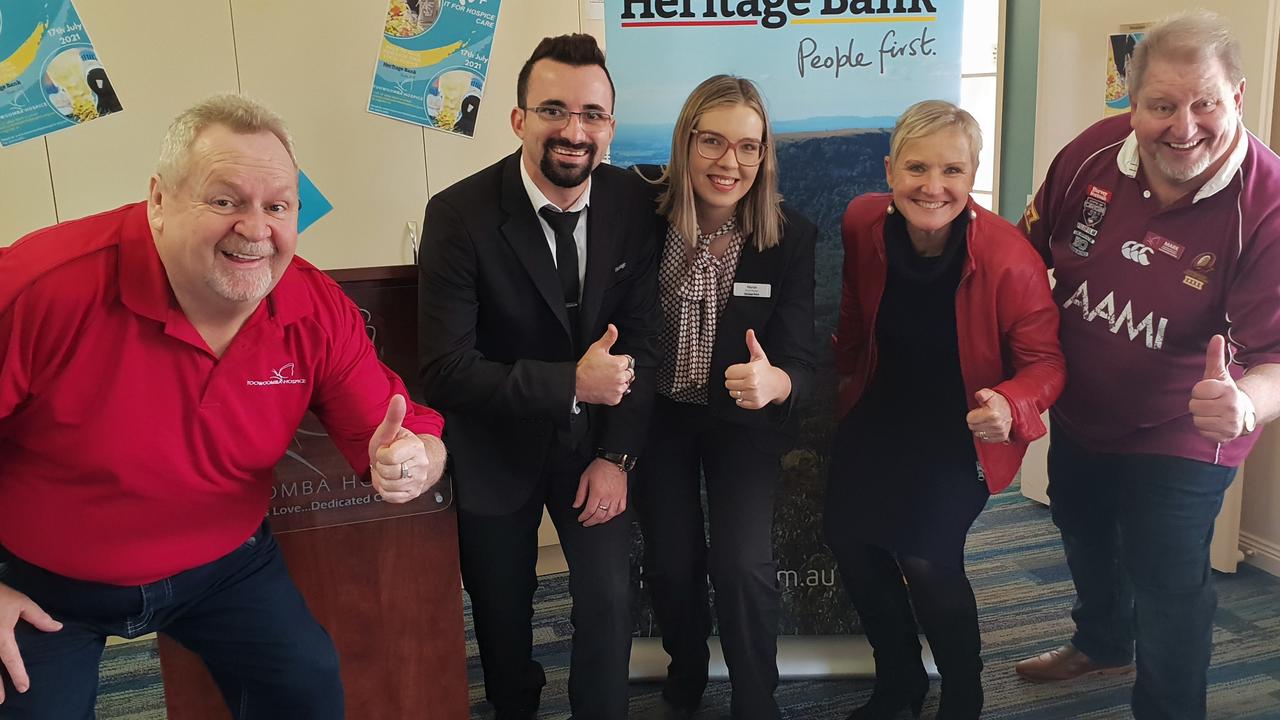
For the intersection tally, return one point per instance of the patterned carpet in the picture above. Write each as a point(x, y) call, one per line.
point(1024, 594)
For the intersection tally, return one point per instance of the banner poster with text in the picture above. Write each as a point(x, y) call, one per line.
point(50, 74)
point(433, 62)
point(835, 75)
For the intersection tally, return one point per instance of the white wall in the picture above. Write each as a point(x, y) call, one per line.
point(312, 61)
point(1073, 41)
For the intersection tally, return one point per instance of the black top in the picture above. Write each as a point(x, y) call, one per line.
point(916, 397)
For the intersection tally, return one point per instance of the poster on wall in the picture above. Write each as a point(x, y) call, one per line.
point(835, 75)
point(1119, 50)
point(433, 62)
point(50, 75)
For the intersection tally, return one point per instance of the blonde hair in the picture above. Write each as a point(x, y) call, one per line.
point(234, 112)
point(1193, 36)
point(760, 211)
point(929, 117)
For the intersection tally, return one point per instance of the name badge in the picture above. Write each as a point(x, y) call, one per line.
point(757, 290)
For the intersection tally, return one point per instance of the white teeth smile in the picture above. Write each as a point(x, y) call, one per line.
point(929, 205)
point(723, 181)
point(569, 152)
point(1184, 146)
point(239, 256)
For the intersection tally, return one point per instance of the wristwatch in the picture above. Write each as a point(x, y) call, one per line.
point(1250, 421)
point(624, 461)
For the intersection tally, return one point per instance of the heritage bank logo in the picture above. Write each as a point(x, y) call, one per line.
point(771, 14)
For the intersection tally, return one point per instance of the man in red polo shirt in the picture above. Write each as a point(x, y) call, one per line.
point(155, 362)
point(1163, 230)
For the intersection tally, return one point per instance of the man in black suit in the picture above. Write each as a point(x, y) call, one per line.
point(538, 325)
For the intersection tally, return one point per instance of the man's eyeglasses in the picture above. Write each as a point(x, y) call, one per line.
point(713, 146)
point(556, 116)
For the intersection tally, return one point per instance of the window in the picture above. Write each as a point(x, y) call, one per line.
point(978, 87)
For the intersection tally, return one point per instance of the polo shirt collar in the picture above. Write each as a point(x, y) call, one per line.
point(1128, 161)
point(540, 201)
point(145, 289)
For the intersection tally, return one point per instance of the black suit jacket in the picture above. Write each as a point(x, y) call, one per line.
point(495, 351)
point(783, 322)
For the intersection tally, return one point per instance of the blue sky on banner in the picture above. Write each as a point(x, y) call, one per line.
point(823, 64)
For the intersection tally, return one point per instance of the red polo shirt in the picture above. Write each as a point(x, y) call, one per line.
point(128, 451)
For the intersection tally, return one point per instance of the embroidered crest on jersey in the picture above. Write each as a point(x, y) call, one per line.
point(1198, 275)
point(1092, 214)
point(1163, 245)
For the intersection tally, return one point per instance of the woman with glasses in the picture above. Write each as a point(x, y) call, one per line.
point(736, 282)
point(947, 353)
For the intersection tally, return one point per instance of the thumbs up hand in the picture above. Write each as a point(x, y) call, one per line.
point(992, 419)
point(756, 383)
point(602, 378)
point(1218, 407)
point(398, 464)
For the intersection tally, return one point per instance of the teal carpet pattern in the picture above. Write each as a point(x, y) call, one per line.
point(1024, 596)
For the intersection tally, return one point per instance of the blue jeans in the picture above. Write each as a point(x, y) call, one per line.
point(241, 613)
point(1136, 530)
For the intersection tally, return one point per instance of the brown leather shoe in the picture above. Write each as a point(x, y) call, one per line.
point(1065, 663)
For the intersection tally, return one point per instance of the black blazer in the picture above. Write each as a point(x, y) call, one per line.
point(783, 321)
point(493, 338)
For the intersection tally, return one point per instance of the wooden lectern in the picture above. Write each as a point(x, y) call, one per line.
point(383, 579)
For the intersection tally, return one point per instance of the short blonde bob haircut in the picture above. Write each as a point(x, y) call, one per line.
point(1195, 36)
point(930, 117)
point(234, 112)
point(760, 211)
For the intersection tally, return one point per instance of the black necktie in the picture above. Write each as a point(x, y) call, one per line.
point(562, 224)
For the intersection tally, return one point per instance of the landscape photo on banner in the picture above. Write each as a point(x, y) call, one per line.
point(835, 75)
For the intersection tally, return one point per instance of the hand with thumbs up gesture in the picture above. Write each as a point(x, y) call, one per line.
point(403, 465)
point(992, 419)
point(602, 378)
point(756, 383)
point(1218, 406)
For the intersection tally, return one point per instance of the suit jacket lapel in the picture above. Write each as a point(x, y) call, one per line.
point(524, 233)
point(602, 254)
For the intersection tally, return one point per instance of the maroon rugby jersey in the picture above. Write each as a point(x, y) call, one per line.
point(1141, 289)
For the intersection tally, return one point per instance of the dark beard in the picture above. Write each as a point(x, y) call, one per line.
point(562, 176)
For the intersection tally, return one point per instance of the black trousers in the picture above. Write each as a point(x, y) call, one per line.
point(943, 602)
point(499, 571)
point(741, 481)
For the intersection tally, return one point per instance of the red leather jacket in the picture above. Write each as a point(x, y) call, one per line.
point(1007, 324)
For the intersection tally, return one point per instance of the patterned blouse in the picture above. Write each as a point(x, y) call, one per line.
point(694, 293)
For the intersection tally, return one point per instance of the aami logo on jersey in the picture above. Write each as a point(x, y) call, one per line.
point(283, 375)
point(1137, 252)
point(1151, 327)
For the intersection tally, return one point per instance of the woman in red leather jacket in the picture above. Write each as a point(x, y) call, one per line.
point(947, 354)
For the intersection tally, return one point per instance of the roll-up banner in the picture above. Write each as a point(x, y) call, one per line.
point(835, 75)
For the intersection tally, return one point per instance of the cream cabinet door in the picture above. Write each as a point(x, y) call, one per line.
point(313, 63)
point(162, 56)
point(26, 195)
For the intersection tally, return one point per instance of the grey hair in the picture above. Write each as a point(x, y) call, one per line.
point(234, 112)
point(1192, 36)
point(928, 117)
